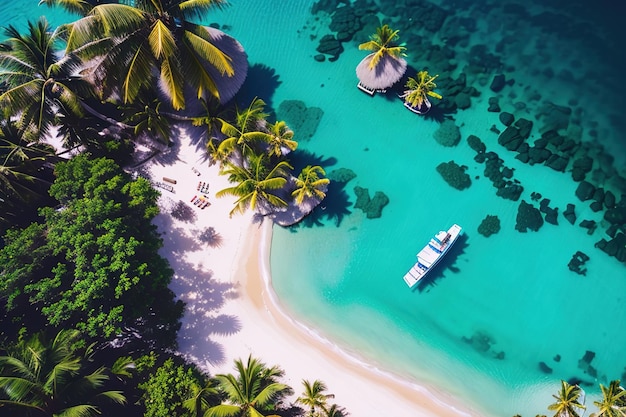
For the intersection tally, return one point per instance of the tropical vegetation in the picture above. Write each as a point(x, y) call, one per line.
point(54, 377)
point(419, 89)
point(128, 44)
point(569, 401)
point(383, 43)
point(88, 323)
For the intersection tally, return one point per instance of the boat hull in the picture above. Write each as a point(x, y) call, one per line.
point(431, 254)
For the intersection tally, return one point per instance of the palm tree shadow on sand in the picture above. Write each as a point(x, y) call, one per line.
point(449, 262)
point(208, 294)
point(336, 204)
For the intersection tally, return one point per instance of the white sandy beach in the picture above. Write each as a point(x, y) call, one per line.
point(232, 311)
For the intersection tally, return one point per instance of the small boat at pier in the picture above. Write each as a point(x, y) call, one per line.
point(431, 254)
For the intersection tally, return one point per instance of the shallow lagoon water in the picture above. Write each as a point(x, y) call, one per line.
point(495, 307)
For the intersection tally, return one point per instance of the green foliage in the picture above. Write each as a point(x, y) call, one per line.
point(310, 183)
point(419, 89)
point(168, 388)
point(54, 377)
point(94, 263)
point(383, 43)
point(42, 88)
point(254, 391)
point(256, 185)
point(24, 179)
point(155, 37)
point(567, 404)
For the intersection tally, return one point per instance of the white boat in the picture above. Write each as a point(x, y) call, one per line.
point(431, 254)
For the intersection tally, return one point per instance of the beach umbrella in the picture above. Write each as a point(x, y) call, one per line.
point(388, 71)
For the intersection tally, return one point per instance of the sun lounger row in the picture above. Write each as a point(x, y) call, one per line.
point(201, 201)
point(163, 185)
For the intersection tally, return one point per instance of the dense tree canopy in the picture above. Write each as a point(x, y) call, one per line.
point(93, 263)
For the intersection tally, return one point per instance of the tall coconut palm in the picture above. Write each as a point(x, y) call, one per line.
point(419, 89)
point(256, 184)
point(248, 128)
point(80, 7)
point(613, 403)
point(128, 46)
point(24, 181)
point(310, 184)
point(566, 404)
point(280, 139)
point(385, 65)
point(50, 379)
point(252, 392)
point(43, 86)
point(382, 43)
point(314, 396)
point(203, 398)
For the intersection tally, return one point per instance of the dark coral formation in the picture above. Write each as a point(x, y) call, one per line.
point(342, 175)
point(454, 175)
point(301, 119)
point(483, 343)
point(585, 364)
point(528, 217)
point(551, 214)
point(489, 226)
point(577, 263)
point(614, 247)
point(372, 207)
point(448, 134)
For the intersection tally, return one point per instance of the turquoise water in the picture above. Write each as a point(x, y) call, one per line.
point(512, 292)
point(343, 275)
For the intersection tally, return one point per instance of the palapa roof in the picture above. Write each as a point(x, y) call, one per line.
point(228, 86)
point(386, 73)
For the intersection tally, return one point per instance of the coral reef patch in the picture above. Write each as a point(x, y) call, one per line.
point(454, 175)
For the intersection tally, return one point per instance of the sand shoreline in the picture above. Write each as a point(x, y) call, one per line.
point(232, 311)
point(348, 369)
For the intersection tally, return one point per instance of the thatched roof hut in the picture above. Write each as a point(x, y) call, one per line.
point(228, 86)
point(386, 73)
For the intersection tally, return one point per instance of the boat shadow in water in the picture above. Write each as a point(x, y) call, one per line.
point(447, 263)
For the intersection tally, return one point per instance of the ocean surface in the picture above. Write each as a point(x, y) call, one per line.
point(502, 319)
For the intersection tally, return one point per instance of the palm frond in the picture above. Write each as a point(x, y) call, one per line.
point(118, 19)
point(161, 41)
point(138, 74)
point(209, 52)
point(199, 8)
point(80, 7)
point(173, 82)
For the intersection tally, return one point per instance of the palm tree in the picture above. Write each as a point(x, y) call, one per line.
point(385, 65)
point(334, 411)
point(247, 129)
point(382, 43)
point(310, 184)
point(80, 7)
point(146, 117)
point(42, 86)
point(255, 184)
point(419, 89)
point(567, 401)
point(280, 140)
point(314, 396)
point(130, 45)
point(49, 379)
point(24, 181)
point(202, 399)
point(613, 402)
point(251, 393)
